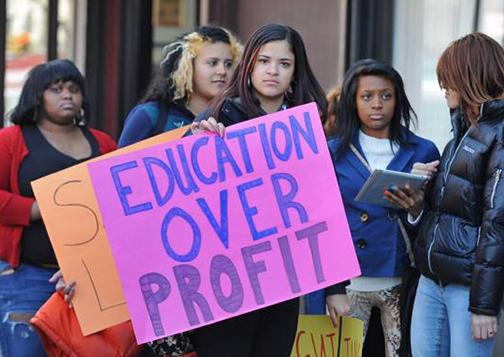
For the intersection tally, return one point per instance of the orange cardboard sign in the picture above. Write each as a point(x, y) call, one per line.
point(74, 223)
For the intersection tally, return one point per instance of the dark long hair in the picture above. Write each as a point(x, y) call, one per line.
point(474, 67)
point(347, 122)
point(305, 87)
point(173, 81)
point(39, 79)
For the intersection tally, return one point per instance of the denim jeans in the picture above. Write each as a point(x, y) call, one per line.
point(441, 323)
point(22, 293)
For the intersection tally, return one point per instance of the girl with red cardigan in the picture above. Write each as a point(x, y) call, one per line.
point(49, 135)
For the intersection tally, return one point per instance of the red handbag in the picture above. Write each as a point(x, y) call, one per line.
point(61, 335)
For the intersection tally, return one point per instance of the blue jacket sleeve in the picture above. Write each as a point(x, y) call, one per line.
point(138, 126)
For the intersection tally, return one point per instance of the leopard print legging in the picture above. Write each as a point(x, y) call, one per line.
point(361, 303)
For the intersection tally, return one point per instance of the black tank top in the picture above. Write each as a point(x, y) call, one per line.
point(43, 159)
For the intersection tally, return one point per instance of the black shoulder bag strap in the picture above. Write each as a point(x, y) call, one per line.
point(161, 119)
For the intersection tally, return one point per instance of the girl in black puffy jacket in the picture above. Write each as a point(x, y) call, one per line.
point(460, 245)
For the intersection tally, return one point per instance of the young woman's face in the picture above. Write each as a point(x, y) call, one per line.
point(452, 98)
point(62, 102)
point(376, 101)
point(273, 71)
point(213, 67)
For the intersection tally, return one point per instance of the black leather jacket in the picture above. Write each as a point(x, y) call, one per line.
point(461, 237)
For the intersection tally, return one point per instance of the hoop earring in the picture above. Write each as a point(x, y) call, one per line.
point(249, 84)
point(79, 120)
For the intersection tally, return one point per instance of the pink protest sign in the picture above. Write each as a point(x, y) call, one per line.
point(203, 229)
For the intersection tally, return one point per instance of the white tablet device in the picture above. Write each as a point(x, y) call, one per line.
point(380, 180)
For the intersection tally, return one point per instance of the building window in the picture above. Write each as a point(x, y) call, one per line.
point(491, 19)
point(27, 39)
point(170, 19)
point(26, 44)
point(422, 30)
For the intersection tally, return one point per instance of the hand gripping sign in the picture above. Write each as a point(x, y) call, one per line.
point(205, 228)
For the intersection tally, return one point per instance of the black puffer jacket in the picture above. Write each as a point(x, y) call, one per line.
point(461, 238)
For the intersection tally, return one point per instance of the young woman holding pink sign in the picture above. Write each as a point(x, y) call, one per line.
point(274, 74)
